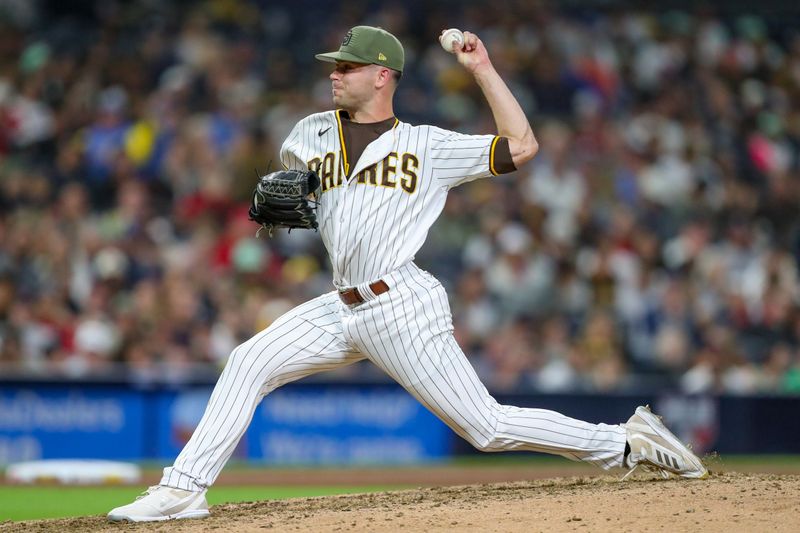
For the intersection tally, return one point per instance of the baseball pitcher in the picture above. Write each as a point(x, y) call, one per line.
point(373, 185)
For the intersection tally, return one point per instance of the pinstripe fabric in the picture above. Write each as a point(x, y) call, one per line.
point(371, 232)
point(304, 341)
point(407, 332)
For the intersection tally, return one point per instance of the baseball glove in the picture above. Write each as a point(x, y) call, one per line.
point(281, 200)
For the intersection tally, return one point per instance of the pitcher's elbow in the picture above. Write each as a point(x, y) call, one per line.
point(528, 148)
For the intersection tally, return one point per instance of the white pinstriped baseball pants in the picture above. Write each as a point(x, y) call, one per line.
point(407, 332)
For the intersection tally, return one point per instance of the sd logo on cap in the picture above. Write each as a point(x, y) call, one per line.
point(367, 44)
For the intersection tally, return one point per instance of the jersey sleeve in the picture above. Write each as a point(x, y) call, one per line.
point(457, 158)
point(290, 158)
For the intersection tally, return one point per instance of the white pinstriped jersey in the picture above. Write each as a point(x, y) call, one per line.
point(377, 220)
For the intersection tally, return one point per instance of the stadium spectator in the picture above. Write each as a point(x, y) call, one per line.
point(656, 235)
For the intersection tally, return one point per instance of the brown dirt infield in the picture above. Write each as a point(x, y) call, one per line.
point(727, 502)
point(437, 475)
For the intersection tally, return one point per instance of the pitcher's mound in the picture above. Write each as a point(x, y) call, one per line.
point(726, 503)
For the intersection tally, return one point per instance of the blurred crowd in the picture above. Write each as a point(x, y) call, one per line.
point(653, 242)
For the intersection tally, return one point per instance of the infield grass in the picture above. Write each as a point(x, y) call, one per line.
point(34, 502)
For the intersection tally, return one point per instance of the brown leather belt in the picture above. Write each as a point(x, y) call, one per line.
point(352, 296)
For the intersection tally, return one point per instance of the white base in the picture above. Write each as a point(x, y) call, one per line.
point(74, 472)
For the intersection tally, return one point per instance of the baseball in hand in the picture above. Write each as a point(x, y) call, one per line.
point(453, 35)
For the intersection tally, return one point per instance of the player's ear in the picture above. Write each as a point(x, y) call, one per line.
point(384, 77)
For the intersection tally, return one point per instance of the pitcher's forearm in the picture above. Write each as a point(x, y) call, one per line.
point(508, 115)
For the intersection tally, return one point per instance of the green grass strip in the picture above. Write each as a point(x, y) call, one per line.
point(35, 502)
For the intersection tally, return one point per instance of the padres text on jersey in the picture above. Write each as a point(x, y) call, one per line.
point(394, 192)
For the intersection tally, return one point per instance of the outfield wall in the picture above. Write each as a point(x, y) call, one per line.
point(312, 423)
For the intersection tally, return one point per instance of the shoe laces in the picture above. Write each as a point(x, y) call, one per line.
point(147, 492)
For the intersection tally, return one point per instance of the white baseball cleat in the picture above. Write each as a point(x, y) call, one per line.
point(162, 503)
point(655, 447)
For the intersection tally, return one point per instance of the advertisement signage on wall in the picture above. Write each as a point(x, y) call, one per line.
point(346, 426)
point(318, 425)
point(340, 423)
point(70, 422)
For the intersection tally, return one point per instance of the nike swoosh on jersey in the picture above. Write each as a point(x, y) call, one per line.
point(322, 132)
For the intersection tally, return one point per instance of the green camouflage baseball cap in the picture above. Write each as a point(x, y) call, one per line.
point(366, 44)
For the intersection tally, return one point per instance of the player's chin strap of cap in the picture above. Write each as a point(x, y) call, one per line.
point(363, 292)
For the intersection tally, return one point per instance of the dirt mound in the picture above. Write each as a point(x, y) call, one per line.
point(726, 502)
